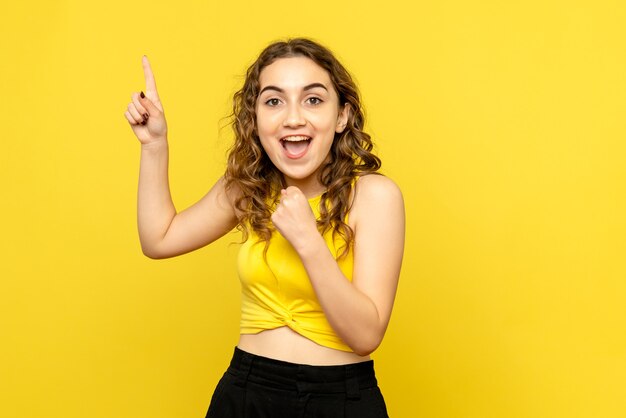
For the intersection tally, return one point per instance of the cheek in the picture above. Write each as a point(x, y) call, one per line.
point(324, 122)
point(265, 145)
point(260, 125)
point(265, 136)
point(266, 123)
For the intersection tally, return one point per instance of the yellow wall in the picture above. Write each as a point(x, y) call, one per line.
point(503, 122)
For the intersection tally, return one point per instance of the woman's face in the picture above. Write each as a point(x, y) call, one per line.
point(298, 114)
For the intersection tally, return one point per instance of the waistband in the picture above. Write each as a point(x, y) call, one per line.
point(302, 378)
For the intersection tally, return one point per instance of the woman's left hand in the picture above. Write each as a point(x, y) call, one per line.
point(294, 218)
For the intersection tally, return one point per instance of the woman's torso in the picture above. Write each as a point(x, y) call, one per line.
point(283, 343)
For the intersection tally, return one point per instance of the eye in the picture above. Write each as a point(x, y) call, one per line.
point(315, 100)
point(272, 102)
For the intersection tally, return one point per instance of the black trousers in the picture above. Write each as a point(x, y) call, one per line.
point(260, 387)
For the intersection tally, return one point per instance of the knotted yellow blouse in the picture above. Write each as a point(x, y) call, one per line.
point(279, 293)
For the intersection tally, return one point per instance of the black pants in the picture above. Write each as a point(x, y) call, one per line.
point(260, 387)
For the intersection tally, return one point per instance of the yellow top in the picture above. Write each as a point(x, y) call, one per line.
point(279, 292)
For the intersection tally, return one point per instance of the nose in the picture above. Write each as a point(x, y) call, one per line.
point(294, 116)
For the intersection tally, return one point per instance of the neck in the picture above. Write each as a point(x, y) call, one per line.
point(310, 187)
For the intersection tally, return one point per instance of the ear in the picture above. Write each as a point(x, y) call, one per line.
point(342, 119)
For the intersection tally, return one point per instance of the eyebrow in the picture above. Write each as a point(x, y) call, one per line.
point(307, 87)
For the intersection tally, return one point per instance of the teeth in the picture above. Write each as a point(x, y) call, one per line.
point(296, 138)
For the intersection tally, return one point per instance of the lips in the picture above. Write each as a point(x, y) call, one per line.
point(295, 146)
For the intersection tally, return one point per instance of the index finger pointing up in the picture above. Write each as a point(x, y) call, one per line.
point(151, 88)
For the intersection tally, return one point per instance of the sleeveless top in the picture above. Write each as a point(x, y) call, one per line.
point(279, 293)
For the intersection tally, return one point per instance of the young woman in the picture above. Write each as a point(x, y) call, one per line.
point(323, 235)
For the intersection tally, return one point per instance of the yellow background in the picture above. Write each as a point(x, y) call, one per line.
point(503, 122)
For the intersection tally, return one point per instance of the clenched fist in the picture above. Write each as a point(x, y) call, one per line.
point(294, 218)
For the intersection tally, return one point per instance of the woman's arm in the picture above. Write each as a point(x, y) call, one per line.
point(359, 311)
point(162, 232)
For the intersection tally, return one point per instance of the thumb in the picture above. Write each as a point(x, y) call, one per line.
point(150, 106)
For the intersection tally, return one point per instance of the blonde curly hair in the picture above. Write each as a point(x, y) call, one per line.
point(258, 181)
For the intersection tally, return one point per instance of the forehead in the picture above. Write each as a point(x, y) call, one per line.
point(293, 73)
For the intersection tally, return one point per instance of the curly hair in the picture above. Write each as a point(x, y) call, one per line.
point(258, 181)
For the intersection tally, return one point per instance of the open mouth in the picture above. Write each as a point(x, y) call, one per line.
point(296, 146)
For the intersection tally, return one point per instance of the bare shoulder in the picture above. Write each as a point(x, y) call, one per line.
point(231, 192)
point(377, 185)
point(376, 195)
point(376, 189)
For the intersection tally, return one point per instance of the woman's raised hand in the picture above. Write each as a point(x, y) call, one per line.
point(145, 114)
